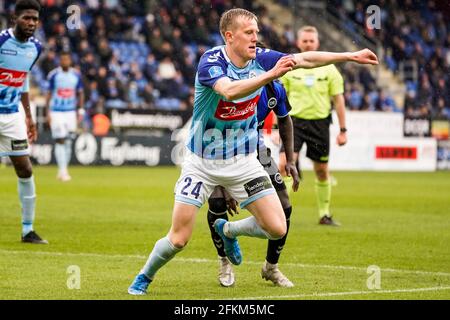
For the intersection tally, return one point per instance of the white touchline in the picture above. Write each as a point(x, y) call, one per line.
point(200, 260)
point(332, 294)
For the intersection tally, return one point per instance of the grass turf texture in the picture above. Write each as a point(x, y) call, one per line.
point(107, 220)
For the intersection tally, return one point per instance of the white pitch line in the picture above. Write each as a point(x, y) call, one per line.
point(199, 260)
point(335, 294)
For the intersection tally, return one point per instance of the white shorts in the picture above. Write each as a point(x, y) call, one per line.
point(242, 176)
point(63, 123)
point(13, 135)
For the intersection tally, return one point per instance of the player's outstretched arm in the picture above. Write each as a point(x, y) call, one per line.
point(233, 90)
point(314, 59)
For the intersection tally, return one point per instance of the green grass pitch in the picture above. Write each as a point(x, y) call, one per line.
point(107, 220)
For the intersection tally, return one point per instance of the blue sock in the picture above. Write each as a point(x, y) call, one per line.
point(68, 150)
point(162, 253)
point(60, 156)
point(27, 196)
point(246, 227)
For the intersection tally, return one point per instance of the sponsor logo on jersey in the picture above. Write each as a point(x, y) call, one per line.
point(230, 111)
point(257, 185)
point(278, 179)
point(65, 93)
point(215, 71)
point(12, 78)
point(19, 145)
point(9, 52)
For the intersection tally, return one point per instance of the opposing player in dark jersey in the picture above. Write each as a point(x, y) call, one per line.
point(273, 98)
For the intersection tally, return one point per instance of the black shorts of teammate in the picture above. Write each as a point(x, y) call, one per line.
point(316, 135)
point(270, 166)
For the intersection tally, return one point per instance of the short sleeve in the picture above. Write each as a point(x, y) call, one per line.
point(39, 50)
point(26, 84)
point(79, 83)
point(283, 107)
point(336, 83)
point(285, 81)
point(268, 58)
point(210, 69)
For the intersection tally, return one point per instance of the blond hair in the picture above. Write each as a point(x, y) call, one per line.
point(307, 29)
point(228, 19)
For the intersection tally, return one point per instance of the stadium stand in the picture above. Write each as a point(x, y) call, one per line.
point(421, 42)
point(138, 58)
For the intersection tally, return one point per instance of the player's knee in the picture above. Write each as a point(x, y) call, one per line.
point(278, 233)
point(24, 171)
point(179, 238)
point(217, 205)
point(278, 230)
point(179, 242)
point(322, 174)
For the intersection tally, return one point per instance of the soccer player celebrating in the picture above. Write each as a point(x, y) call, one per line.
point(19, 51)
point(221, 148)
point(273, 98)
point(65, 92)
point(309, 92)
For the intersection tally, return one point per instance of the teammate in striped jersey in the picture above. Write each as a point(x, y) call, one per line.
point(19, 51)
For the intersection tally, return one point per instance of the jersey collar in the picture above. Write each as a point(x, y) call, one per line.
point(229, 60)
point(11, 33)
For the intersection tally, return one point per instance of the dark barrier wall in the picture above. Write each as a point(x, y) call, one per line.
point(113, 150)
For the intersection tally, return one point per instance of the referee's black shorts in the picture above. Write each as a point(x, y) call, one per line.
point(316, 135)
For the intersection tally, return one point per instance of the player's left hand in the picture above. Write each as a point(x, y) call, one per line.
point(230, 201)
point(291, 171)
point(31, 130)
point(341, 139)
point(364, 56)
point(232, 206)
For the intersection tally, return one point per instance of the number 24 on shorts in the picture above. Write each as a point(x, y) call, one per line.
point(195, 191)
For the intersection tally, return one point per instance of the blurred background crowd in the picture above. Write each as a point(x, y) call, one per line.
point(142, 54)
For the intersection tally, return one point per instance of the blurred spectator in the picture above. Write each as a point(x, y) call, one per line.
point(355, 97)
point(384, 102)
point(104, 52)
point(422, 36)
point(48, 63)
point(134, 97)
point(166, 69)
point(115, 95)
point(148, 95)
point(135, 58)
